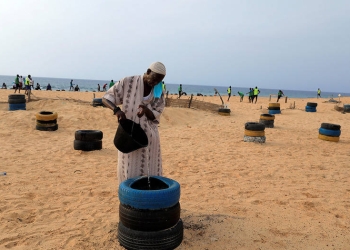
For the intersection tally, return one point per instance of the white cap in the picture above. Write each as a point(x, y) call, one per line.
point(158, 67)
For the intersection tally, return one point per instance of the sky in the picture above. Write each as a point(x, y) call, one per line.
point(275, 44)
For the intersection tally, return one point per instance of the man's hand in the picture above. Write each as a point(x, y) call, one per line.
point(121, 115)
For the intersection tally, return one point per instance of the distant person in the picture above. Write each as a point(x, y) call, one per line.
point(111, 84)
point(241, 95)
point(76, 88)
point(71, 85)
point(318, 93)
point(229, 93)
point(98, 87)
point(37, 87)
point(4, 86)
point(104, 88)
point(27, 84)
point(279, 95)
point(250, 94)
point(256, 92)
point(163, 86)
point(180, 90)
point(20, 82)
point(17, 84)
point(48, 87)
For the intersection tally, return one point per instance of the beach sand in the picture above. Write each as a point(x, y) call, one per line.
point(292, 192)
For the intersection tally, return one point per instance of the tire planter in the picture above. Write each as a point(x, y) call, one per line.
point(274, 112)
point(347, 108)
point(330, 126)
point(18, 106)
point(87, 145)
point(311, 104)
point(254, 126)
point(329, 132)
point(46, 121)
point(328, 138)
point(88, 135)
point(254, 133)
point(310, 109)
point(159, 193)
point(17, 102)
point(164, 239)
point(149, 220)
point(268, 123)
point(260, 139)
point(224, 112)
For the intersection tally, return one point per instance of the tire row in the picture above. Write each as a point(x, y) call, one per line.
point(310, 107)
point(149, 213)
point(17, 102)
point(329, 132)
point(274, 108)
point(88, 140)
point(254, 132)
point(268, 120)
point(46, 121)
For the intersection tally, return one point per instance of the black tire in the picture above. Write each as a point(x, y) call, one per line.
point(46, 122)
point(274, 108)
point(164, 239)
point(254, 126)
point(330, 126)
point(149, 220)
point(18, 106)
point(88, 135)
point(87, 145)
point(224, 111)
point(16, 101)
point(54, 127)
point(311, 104)
point(159, 193)
point(267, 123)
point(347, 108)
point(16, 96)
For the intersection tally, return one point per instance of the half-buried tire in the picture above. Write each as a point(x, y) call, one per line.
point(224, 111)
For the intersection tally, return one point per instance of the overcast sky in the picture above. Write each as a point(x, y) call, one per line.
point(279, 44)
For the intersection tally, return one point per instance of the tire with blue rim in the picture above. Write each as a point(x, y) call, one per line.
point(273, 112)
point(310, 109)
point(155, 192)
point(329, 132)
point(17, 106)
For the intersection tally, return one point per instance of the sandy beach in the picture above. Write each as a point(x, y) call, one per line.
point(292, 192)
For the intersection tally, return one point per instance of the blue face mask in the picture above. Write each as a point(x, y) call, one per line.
point(157, 90)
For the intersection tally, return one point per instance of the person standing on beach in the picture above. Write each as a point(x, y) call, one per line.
point(229, 93)
point(241, 95)
point(140, 96)
point(279, 95)
point(104, 88)
point(71, 85)
point(20, 82)
point(318, 93)
point(111, 84)
point(98, 87)
point(28, 86)
point(256, 92)
point(17, 84)
point(250, 94)
point(180, 90)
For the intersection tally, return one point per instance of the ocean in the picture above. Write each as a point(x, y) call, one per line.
point(91, 85)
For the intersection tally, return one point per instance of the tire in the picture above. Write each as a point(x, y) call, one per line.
point(267, 123)
point(254, 126)
point(347, 108)
point(329, 132)
point(17, 106)
point(274, 105)
point(274, 108)
point(330, 126)
point(267, 117)
point(47, 128)
point(164, 192)
point(47, 125)
point(260, 139)
point(88, 135)
point(16, 96)
point(274, 112)
point(15, 101)
point(46, 116)
point(311, 104)
point(254, 133)
point(310, 109)
point(328, 138)
point(149, 220)
point(164, 239)
point(224, 111)
point(46, 122)
point(97, 102)
point(87, 145)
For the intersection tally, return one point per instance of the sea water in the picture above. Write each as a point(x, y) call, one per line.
point(205, 90)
